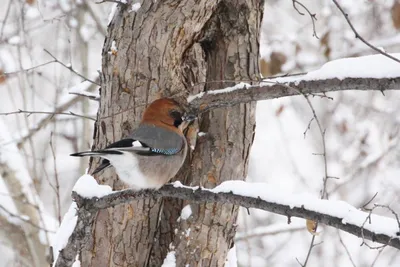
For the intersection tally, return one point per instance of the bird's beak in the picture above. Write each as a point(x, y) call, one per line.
point(188, 117)
point(186, 120)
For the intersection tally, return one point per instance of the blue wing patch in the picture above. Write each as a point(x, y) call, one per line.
point(170, 151)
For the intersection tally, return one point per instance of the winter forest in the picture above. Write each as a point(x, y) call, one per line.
point(292, 158)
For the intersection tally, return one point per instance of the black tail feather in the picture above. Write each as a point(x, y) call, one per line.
point(97, 153)
point(104, 164)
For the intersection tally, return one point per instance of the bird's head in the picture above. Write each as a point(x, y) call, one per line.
point(167, 113)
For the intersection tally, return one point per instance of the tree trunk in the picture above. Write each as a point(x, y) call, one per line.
point(163, 50)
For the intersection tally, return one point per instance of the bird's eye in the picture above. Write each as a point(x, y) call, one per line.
point(177, 116)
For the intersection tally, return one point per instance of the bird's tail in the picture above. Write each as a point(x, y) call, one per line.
point(98, 153)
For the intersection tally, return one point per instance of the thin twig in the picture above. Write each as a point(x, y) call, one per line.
point(69, 67)
point(5, 19)
point(346, 16)
point(43, 122)
point(377, 256)
point(26, 70)
point(57, 186)
point(30, 112)
point(364, 206)
point(111, 1)
point(346, 249)
point(24, 219)
point(326, 177)
point(312, 245)
point(99, 24)
point(312, 15)
point(90, 97)
point(252, 234)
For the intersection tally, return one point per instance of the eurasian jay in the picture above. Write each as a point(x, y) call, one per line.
point(154, 152)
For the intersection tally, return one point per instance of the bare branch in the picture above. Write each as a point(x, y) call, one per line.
point(267, 232)
point(57, 186)
point(30, 112)
point(312, 15)
point(112, 1)
point(346, 249)
point(5, 19)
point(346, 16)
point(324, 195)
point(25, 70)
point(43, 123)
point(98, 22)
point(69, 67)
point(89, 96)
point(89, 207)
point(23, 219)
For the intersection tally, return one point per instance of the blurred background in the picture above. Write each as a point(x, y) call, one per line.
point(45, 44)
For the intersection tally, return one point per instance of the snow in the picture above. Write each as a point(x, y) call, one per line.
point(77, 262)
point(32, 13)
point(238, 86)
point(374, 66)
point(64, 232)
point(179, 184)
point(87, 187)
point(170, 260)
point(186, 212)
point(340, 209)
point(73, 22)
point(113, 48)
point(15, 40)
point(86, 32)
point(81, 89)
point(135, 7)
point(231, 259)
point(112, 13)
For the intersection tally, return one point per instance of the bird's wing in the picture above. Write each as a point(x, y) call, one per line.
point(139, 147)
point(145, 141)
point(159, 140)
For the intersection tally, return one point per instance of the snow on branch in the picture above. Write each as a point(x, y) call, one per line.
point(375, 72)
point(337, 214)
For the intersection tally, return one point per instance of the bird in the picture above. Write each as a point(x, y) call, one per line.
point(154, 152)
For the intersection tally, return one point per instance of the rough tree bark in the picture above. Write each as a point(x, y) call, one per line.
point(163, 50)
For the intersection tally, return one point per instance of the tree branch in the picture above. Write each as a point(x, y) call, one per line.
point(346, 16)
point(206, 101)
point(30, 112)
point(89, 207)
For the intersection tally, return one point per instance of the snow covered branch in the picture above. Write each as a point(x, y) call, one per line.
point(363, 73)
point(337, 214)
point(264, 91)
